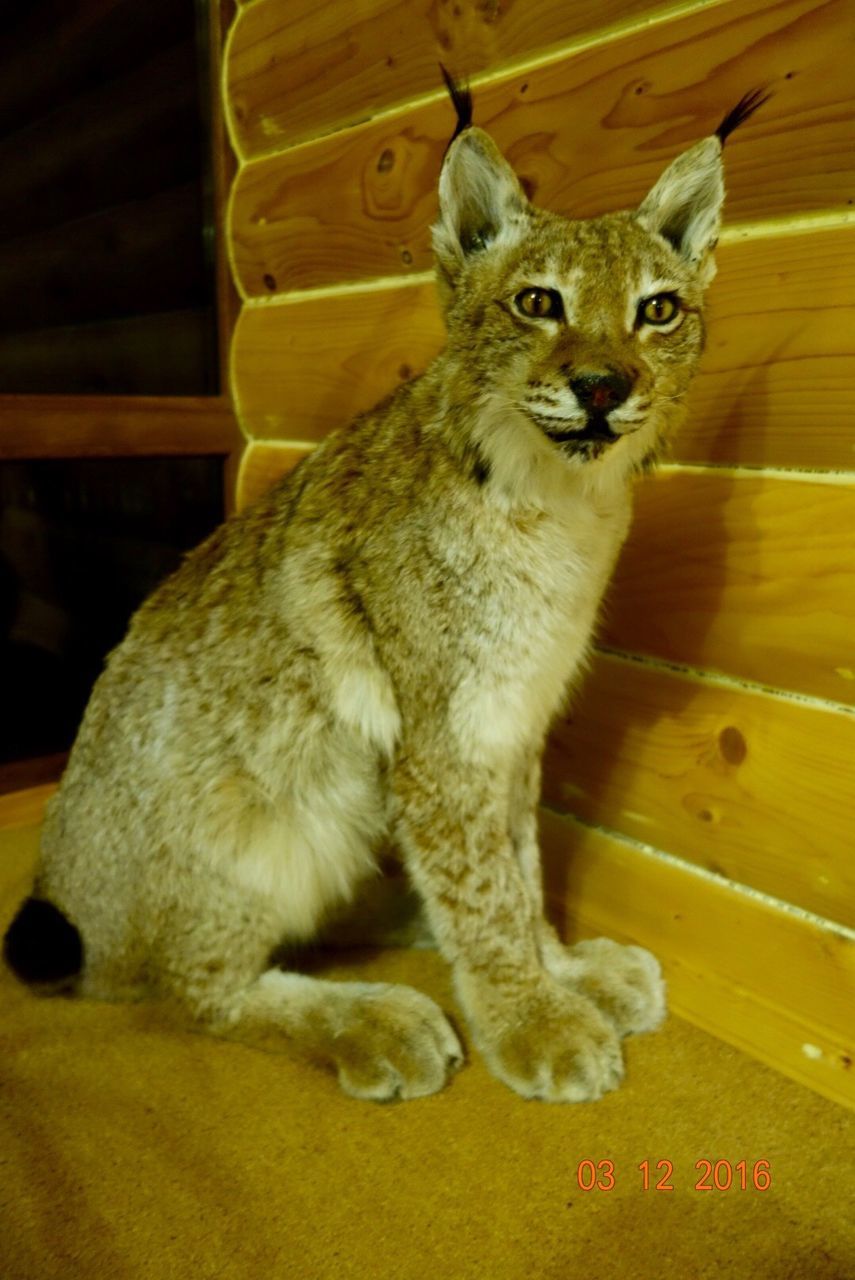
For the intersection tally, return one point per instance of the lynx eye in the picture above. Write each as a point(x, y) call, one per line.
point(540, 304)
point(660, 309)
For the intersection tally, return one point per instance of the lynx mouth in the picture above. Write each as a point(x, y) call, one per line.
point(595, 431)
point(588, 442)
point(591, 438)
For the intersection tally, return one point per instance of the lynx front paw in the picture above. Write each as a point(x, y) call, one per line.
point(625, 982)
point(394, 1043)
point(556, 1046)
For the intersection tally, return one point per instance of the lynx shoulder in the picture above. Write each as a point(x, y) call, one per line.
point(373, 653)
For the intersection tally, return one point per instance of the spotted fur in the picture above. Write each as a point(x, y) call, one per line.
point(373, 653)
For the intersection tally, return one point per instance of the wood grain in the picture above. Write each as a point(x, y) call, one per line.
point(777, 381)
point(780, 343)
point(260, 467)
point(56, 426)
point(296, 71)
point(589, 133)
point(25, 808)
point(745, 969)
point(302, 369)
point(730, 779)
point(746, 574)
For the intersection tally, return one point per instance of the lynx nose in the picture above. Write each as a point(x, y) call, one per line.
point(601, 392)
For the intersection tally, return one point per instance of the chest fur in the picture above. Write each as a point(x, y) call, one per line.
point(531, 630)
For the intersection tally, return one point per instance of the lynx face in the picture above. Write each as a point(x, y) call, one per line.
point(586, 332)
point(597, 327)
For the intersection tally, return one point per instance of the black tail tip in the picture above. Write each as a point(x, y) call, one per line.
point(41, 945)
point(746, 107)
point(461, 97)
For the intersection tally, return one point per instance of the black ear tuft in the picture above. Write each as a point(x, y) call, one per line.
point(740, 113)
point(461, 96)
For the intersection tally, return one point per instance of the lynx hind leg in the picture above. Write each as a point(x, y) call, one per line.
point(625, 982)
point(385, 1042)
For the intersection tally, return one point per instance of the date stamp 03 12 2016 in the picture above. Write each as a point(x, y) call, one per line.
point(710, 1175)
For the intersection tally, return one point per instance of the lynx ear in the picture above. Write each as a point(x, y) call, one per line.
point(685, 204)
point(481, 202)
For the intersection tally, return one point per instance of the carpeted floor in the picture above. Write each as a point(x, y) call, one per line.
point(130, 1148)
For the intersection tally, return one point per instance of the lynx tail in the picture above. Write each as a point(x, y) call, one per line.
point(41, 945)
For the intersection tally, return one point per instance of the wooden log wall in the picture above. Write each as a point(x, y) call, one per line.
point(699, 796)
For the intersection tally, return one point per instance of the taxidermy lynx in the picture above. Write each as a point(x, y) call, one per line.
point(374, 652)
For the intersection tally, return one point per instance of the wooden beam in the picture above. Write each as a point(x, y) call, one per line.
point(20, 775)
point(261, 465)
point(217, 177)
point(370, 340)
point(296, 71)
point(25, 808)
point(775, 983)
point(744, 573)
point(729, 778)
point(776, 386)
point(56, 426)
point(778, 355)
point(589, 133)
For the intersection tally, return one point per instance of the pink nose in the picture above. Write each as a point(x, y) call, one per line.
point(601, 391)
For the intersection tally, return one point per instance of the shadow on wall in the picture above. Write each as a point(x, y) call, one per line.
point(672, 581)
point(82, 543)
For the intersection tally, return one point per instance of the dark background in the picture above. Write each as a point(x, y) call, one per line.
point(107, 286)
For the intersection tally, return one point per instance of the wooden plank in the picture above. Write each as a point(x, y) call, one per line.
point(746, 574)
point(56, 426)
point(261, 466)
point(296, 71)
point(589, 133)
point(304, 368)
point(219, 167)
point(755, 788)
point(777, 382)
point(22, 775)
point(25, 808)
point(776, 984)
point(147, 255)
point(168, 353)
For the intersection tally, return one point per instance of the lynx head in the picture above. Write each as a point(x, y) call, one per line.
point(583, 334)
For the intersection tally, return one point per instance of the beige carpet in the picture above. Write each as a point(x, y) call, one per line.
point(130, 1148)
